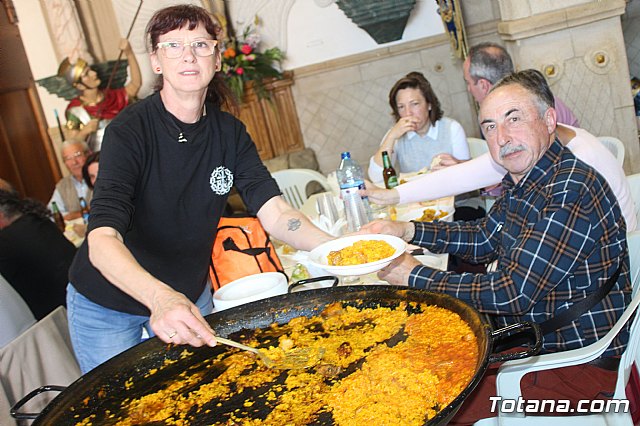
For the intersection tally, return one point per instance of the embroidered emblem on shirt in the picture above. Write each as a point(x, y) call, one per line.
point(221, 180)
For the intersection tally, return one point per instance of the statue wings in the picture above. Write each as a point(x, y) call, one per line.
point(58, 85)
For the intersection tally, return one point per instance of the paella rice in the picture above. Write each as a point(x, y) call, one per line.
point(429, 215)
point(381, 365)
point(364, 251)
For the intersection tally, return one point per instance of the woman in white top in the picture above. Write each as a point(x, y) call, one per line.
point(421, 134)
point(482, 172)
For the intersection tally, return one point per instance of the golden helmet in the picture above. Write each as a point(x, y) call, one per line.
point(72, 72)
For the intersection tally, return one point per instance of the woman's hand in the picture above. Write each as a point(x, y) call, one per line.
point(402, 126)
point(380, 196)
point(176, 320)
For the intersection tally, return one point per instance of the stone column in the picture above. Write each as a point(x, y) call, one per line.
point(578, 45)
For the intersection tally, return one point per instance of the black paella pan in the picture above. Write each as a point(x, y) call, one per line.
point(100, 393)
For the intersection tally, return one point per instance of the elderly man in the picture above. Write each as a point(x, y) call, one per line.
point(557, 232)
point(70, 188)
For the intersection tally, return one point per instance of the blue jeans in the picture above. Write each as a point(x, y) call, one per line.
point(99, 333)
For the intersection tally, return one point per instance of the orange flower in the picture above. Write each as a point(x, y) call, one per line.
point(230, 53)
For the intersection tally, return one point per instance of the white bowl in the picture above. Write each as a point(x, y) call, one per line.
point(249, 289)
point(318, 256)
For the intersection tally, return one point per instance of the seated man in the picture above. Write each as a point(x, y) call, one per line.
point(70, 188)
point(34, 255)
point(557, 232)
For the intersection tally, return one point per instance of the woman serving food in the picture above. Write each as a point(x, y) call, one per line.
point(167, 165)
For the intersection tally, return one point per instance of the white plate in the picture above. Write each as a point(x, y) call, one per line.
point(417, 213)
point(249, 289)
point(318, 256)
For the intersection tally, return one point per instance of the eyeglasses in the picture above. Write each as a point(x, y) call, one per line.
point(175, 49)
point(73, 156)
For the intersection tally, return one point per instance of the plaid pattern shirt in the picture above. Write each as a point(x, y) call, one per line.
point(557, 235)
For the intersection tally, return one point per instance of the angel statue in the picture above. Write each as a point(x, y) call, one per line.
point(92, 104)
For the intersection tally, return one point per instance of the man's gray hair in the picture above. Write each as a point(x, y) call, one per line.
point(534, 82)
point(489, 61)
point(74, 142)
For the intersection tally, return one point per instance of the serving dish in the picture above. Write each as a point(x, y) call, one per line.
point(318, 256)
point(153, 365)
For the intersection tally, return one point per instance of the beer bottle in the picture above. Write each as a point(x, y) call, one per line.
point(84, 209)
point(389, 173)
point(57, 216)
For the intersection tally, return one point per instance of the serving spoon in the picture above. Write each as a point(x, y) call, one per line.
point(294, 359)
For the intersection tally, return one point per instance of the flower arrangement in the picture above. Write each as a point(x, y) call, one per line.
point(243, 62)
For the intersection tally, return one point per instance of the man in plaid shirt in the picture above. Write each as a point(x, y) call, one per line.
point(557, 232)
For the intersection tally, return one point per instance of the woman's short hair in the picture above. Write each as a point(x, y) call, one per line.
point(190, 16)
point(416, 80)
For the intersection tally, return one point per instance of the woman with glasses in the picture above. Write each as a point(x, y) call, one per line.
point(167, 165)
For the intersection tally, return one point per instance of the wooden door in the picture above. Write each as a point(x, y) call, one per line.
point(282, 118)
point(253, 118)
point(27, 159)
point(272, 123)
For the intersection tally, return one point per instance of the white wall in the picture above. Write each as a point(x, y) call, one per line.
point(313, 34)
point(40, 53)
point(316, 34)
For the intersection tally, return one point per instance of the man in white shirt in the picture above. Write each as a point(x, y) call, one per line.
point(70, 188)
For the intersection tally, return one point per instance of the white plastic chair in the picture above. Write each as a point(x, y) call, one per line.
point(614, 145)
point(634, 185)
point(512, 372)
point(15, 315)
point(293, 184)
point(477, 147)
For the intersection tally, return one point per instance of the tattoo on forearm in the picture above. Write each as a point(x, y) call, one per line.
point(293, 224)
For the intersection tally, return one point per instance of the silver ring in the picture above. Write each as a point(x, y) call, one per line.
point(172, 335)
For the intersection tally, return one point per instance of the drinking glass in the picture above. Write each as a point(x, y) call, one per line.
point(326, 207)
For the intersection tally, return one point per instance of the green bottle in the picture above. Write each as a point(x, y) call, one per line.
point(389, 173)
point(57, 216)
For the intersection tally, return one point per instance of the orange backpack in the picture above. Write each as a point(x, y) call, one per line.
point(242, 247)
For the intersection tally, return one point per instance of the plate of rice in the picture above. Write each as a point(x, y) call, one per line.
point(357, 254)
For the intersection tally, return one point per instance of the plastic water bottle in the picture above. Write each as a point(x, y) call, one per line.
point(351, 179)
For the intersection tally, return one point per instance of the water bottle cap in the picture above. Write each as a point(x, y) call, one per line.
point(345, 154)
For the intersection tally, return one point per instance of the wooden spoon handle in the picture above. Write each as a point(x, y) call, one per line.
point(236, 344)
